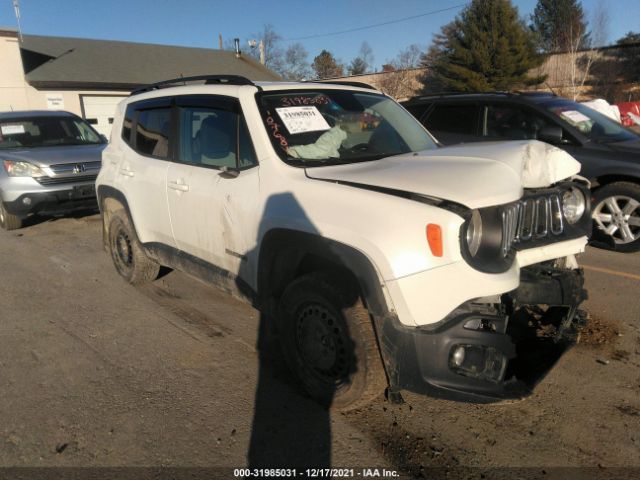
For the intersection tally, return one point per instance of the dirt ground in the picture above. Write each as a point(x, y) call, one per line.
point(96, 373)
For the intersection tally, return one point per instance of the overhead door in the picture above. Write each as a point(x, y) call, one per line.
point(99, 111)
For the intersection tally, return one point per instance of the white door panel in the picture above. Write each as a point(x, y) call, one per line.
point(214, 216)
point(194, 211)
point(143, 180)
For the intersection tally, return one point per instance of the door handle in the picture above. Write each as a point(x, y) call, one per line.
point(181, 187)
point(127, 172)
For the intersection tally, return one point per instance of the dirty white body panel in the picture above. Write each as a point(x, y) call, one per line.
point(224, 219)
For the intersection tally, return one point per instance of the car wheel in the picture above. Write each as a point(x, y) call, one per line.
point(128, 256)
point(7, 220)
point(329, 342)
point(616, 212)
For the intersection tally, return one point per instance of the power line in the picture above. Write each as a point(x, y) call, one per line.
point(340, 32)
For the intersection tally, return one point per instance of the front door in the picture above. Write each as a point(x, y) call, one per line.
point(212, 189)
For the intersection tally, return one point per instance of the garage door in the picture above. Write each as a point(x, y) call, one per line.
point(100, 110)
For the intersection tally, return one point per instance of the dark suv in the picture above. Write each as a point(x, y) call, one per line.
point(608, 152)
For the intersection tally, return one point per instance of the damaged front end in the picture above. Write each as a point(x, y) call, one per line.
point(491, 349)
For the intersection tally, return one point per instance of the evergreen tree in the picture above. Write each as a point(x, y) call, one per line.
point(326, 66)
point(357, 66)
point(559, 25)
point(487, 47)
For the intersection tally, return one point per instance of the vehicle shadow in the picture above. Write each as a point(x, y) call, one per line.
point(37, 219)
point(288, 430)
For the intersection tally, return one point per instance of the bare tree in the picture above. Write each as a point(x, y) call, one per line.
point(295, 64)
point(569, 70)
point(363, 62)
point(402, 79)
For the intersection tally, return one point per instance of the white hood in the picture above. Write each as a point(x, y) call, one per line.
point(475, 175)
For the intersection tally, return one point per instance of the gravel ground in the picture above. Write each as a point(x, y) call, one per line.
point(96, 373)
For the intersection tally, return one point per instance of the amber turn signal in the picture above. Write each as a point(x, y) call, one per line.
point(434, 237)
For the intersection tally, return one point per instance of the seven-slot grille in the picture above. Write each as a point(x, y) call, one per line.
point(532, 218)
point(65, 173)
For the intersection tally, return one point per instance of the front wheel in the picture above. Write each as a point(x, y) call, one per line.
point(616, 212)
point(7, 220)
point(329, 342)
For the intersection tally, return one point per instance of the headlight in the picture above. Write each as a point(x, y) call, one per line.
point(474, 233)
point(482, 241)
point(573, 205)
point(22, 169)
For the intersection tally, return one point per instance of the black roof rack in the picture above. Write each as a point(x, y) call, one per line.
point(208, 80)
point(349, 84)
point(495, 92)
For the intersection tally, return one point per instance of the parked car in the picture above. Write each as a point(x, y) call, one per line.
point(608, 152)
point(50, 160)
point(381, 259)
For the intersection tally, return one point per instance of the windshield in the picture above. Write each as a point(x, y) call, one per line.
point(311, 128)
point(596, 126)
point(46, 132)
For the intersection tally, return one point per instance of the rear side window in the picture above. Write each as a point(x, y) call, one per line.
point(152, 132)
point(462, 119)
point(127, 124)
point(513, 123)
point(417, 110)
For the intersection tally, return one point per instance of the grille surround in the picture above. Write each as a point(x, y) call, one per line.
point(533, 221)
point(534, 218)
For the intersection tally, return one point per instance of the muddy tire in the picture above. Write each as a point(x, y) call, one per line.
point(7, 220)
point(329, 343)
point(616, 212)
point(129, 258)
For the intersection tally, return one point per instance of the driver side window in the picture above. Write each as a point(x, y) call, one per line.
point(212, 137)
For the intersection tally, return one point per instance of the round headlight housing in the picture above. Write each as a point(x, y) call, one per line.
point(474, 233)
point(574, 204)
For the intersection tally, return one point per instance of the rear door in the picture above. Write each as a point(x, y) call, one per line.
point(142, 170)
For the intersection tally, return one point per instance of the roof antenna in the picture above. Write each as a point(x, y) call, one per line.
point(16, 9)
point(236, 42)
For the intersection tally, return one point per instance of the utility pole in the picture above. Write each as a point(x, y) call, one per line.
point(16, 9)
point(261, 47)
point(219, 41)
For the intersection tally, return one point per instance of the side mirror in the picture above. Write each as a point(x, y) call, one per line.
point(104, 138)
point(229, 172)
point(550, 134)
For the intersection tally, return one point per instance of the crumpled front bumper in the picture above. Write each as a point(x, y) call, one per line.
point(486, 352)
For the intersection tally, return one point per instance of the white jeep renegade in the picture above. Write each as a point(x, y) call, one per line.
point(383, 259)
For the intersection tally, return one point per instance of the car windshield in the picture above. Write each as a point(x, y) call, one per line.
point(30, 132)
point(596, 126)
point(321, 127)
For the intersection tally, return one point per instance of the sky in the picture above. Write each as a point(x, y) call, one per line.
point(197, 23)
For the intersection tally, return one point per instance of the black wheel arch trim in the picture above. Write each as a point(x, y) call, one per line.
point(105, 191)
point(295, 247)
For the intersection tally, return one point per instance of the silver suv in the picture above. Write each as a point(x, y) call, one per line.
point(50, 161)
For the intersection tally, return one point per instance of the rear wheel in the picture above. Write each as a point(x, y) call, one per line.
point(329, 343)
point(129, 258)
point(616, 212)
point(7, 220)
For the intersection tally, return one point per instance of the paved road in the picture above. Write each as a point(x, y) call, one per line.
point(94, 372)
